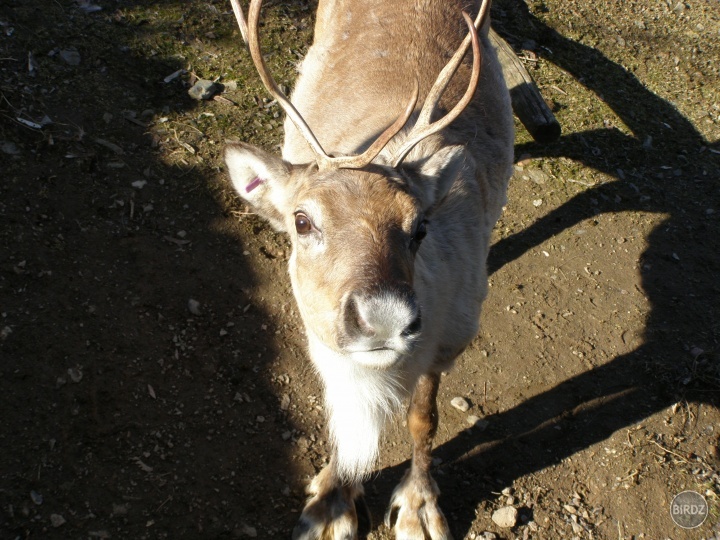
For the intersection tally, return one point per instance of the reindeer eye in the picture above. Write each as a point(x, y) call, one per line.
point(420, 233)
point(303, 225)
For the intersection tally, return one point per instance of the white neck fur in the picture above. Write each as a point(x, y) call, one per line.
point(360, 400)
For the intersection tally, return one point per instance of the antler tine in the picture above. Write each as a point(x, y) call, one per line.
point(438, 89)
point(254, 43)
point(423, 128)
point(240, 19)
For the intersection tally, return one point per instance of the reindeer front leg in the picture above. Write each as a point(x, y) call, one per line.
point(414, 505)
point(333, 509)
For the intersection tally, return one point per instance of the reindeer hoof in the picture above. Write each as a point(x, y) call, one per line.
point(414, 513)
point(339, 514)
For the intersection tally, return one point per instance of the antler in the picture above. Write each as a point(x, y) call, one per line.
point(423, 128)
point(240, 20)
point(270, 84)
point(325, 162)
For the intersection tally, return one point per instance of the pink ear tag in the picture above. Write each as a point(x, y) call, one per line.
point(252, 185)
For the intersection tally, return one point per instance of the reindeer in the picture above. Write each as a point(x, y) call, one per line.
point(390, 226)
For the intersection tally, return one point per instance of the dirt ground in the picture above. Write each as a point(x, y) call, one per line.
point(153, 379)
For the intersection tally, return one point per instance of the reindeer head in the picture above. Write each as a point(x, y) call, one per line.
point(356, 222)
point(355, 235)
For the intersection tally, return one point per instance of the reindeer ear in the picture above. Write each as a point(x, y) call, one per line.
point(433, 176)
point(262, 179)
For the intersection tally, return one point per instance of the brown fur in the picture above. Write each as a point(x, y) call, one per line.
point(384, 318)
point(371, 217)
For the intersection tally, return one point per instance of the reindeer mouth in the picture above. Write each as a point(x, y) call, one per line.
point(391, 354)
point(378, 358)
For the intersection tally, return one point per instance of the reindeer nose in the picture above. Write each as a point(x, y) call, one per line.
point(376, 318)
point(414, 327)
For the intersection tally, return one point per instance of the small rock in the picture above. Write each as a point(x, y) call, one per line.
point(477, 422)
point(538, 176)
point(204, 90)
point(9, 148)
point(174, 75)
point(119, 509)
point(143, 466)
point(194, 307)
point(70, 56)
point(505, 517)
point(57, 520)
point(460, 404)
point(303, 442)
point(486, 536)
point(36, 497)
point(76, 374)
point(139, 184)
point(110, 145)
point(32, 65)
point(247, 530)
point(87, 6)
point(537, 202)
